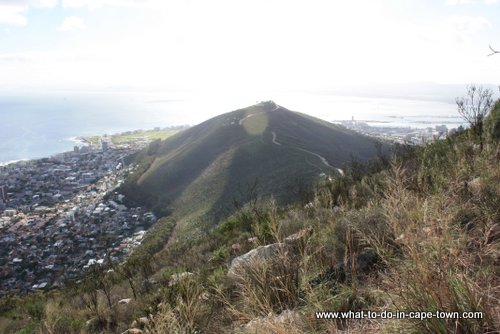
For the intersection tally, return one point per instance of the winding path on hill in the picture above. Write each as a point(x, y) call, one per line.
point(275, 142)
point(274, 139)
point(323, 159)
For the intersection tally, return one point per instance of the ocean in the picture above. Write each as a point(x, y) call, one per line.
point(40, 125)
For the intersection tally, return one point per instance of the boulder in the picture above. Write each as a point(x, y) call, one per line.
point(290, 247)
point(266, 253)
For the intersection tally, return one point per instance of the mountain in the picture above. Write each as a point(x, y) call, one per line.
point(264, 150)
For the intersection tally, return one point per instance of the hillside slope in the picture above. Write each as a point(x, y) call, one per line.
point(420, 234)
point(262, 150)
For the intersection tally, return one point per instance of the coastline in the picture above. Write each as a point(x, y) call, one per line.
point(27, 160)
point(77, 141)
point(133, 139)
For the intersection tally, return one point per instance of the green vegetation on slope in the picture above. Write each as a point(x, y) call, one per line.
point(207, 169)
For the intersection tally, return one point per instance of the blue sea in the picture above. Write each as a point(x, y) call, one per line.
point(39, 125)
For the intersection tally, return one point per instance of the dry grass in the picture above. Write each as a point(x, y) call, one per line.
point(184, 311)
point(445, 266)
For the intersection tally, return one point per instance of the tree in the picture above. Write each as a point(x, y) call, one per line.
point(474, 108)
point(492, 123)
point(90, 296)
point(128, 271)
point(98, 276)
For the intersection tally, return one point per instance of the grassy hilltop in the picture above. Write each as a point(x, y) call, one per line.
point(208, 170)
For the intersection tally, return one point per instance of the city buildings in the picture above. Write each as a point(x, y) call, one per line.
point(62, 214)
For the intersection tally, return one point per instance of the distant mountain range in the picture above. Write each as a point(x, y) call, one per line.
point(205, 172)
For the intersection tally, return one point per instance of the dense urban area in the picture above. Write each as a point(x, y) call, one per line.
point(60, 215)
point(403, 135)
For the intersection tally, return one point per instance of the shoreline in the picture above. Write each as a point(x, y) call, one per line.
point(86, 141)
point(77, 141)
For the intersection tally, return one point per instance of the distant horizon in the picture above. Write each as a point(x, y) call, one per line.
point(36, 126)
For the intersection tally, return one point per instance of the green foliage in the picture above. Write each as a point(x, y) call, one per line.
point(35, 309)
point(59, 318)
point(155, 239)
point(216, 276)
point(220, 255)
point(232, 227)
point(7, 305)
point(492, 122)
point(27, 330)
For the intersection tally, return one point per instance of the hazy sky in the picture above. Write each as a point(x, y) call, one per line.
point(233, 45)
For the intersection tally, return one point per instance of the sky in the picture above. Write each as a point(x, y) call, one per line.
point(237, 45)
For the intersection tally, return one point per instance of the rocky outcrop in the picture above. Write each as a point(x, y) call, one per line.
point(288, 249)
point(265, 254)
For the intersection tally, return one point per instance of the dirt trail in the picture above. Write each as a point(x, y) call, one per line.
point(323, 159)
point(274, 139)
